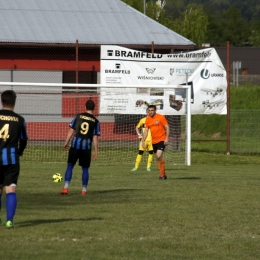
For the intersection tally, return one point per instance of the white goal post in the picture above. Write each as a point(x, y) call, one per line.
point(48, 108)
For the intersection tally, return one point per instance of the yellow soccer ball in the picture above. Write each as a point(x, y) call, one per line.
point(57, 177)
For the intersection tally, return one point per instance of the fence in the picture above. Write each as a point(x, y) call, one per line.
point(49, 108)
point(81, 64)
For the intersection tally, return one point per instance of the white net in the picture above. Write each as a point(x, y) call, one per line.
point(49, 108)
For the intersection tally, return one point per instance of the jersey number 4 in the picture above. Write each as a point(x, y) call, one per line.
point(4, 132)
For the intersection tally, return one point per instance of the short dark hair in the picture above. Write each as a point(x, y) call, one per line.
point(152, 106)
point(8, 98)
point(90, 104)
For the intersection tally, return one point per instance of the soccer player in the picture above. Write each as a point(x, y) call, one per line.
point(160, 131)
point(13, 141)
point(84, 129)
point(148, 145)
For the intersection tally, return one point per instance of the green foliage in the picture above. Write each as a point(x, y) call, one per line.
point(154, 11)
point(192, 24)
point(245, 97)
point(209, 125)
point(248, 9)
point(255, 31)
point(213, 21)
point(136, 4)
point(209, 210)
point(235, 29)
point(244, 124)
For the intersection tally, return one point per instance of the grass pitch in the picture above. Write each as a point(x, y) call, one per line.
point(209, 210)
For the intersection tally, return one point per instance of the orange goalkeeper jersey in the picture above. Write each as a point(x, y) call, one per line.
point(142, 124)
point(156, 125)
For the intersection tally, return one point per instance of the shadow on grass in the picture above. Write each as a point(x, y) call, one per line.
point(112, 191)
point(51, 200)
point(48, 221)
point(172, 168)
point(188, 178)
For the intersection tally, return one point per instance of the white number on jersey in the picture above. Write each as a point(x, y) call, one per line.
point(84, 128)
point(4, 132)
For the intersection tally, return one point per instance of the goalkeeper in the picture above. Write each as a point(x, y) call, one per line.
point(148, 145)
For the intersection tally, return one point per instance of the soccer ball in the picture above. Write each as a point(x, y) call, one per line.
point(57, 177)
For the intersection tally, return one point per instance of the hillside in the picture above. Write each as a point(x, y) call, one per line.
point(248, 9)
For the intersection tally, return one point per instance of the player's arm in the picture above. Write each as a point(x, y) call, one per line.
point(95, 152)
point(22, 139)
point(22, 146)
point(70, 134)
point(167, 131)
point(137, 129)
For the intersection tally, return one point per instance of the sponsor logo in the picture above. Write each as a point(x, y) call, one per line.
point(217, 75)
point(191, 55)
point(181, 71)
point(109, 52)
point(133, 54)
point(118, 70)
point(150, 71)
point(150, 78)
point(205, 74)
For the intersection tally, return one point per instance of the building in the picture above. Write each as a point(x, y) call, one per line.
point(65, 36)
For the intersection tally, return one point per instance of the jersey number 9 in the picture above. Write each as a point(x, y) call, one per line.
point(84, 128)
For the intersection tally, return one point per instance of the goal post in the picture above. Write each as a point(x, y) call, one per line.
point(48, 108)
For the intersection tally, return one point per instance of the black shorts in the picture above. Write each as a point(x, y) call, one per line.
point(9, 174)
point(84, 157)
point(158, 146)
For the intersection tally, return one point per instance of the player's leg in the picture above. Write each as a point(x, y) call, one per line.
point(138, 157)
point(1, 192)
point(150, 156)
point(1, 189)
point(84, 162)
point(10, 182)
point(85, 178)
point(161, 165)
point(150, 160)
point(10, 204)
point(138, 160)
point(72, 159)
point(68, 176)
point(158, 149)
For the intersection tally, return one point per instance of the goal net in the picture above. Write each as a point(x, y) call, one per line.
point(49, 108)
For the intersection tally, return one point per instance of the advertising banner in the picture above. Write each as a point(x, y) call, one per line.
point(202, 70)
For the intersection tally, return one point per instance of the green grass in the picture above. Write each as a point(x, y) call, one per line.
point(241, 98)
point(244, 97)
point(209, 210)
point(244, 124)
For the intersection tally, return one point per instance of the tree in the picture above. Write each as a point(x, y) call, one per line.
point(192, 24)
point(136, 4)
point(255, 31)
point(154, 10)
point(235, 29)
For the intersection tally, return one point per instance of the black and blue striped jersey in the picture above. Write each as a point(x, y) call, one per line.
point(13, 137)
point(85, 126)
